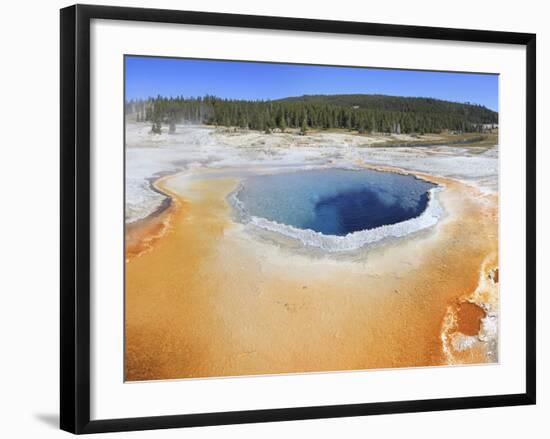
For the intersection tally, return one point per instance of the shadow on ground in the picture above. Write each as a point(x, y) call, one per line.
point(49, 419)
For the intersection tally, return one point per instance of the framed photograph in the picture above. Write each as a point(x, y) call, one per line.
point(268, 219)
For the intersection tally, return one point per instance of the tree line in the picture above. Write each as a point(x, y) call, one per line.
point(364, 113)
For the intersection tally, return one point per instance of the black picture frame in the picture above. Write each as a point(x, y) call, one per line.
point(75, 217)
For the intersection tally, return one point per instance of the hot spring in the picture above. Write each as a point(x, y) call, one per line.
point(337, 209)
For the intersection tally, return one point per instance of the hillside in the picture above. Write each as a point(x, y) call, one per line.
point(472, 113)
point(364, 113)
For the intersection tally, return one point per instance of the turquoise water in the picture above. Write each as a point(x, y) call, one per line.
point(334, 201)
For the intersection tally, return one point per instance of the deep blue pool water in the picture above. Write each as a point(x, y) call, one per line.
point(335, 201)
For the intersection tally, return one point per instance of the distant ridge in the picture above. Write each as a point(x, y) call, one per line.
point(396, 103)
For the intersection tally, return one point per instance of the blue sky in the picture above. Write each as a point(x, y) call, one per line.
point(150, 76)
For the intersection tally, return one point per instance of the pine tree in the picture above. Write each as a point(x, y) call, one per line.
point(282, 123)
point(303, 128)
point(157, 124)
